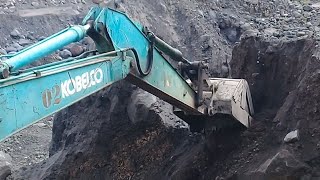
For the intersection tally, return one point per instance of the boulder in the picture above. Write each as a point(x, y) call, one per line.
point(270, 31)
point(5, 165)
point(15, 34)
point(75, 49)
point(293, 136)
point(11, 49)
point(35, 4)
point(65, 54)
point(17, 46)
point(3, 51)
point(283, 164)
point(232, 34)
point(307, 8)
point(139, 105)
point(24, 42)
point(249, 33)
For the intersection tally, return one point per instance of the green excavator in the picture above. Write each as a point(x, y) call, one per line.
point(125, 50)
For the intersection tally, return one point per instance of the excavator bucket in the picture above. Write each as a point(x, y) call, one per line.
point(231, 97)
point(226, 103)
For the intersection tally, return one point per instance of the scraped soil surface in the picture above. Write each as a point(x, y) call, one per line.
point(98, 138)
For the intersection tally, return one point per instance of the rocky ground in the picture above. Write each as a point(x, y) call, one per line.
point(31, 145)
point(272, 44)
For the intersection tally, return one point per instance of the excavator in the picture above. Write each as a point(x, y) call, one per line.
point(124, 50)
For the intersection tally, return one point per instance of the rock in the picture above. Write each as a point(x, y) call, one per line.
point(24, 42)
point(282, 164)
point(249, 33)
point(87, 41)
point(301, 33)
point(309, 24)
point(35, 4)
point(286, 27)
point(307, 15)
point(5, 165)
point(17, 46)
point(118, 2)
point(296, 14)
point(307, 8)
point(65, 54)
point(207, 41)
point(225, 71)
point(11, 49)
point(212, 14)
point(3, 51)
point(15, 34)
point(139, 105)
point(293, 136)
point(11, 53)
point(31, 37)
point(283, 13)
point(276, 34)
point(290, 34)
point(270, 31)
point(41, 38)
point(201, 13)
point(232, 34)
point(75, 49)
point(252, 1)
point(224, 21)
point(41, 125)
point(245, 26)
point(316, 5)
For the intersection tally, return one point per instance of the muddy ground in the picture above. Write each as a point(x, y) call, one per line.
point(124, 133)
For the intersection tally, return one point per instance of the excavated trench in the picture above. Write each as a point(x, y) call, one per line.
point(284, 82)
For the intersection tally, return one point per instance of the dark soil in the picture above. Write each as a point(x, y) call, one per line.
point(95, 139)
point(286, 88)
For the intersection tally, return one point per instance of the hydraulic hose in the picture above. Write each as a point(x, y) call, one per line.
point(150, 59)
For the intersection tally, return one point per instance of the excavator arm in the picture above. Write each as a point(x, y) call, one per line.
point(125, 50)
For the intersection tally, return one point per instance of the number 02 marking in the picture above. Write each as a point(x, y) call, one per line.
point(51, 97)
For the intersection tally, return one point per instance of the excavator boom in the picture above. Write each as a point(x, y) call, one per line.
point(125, 50)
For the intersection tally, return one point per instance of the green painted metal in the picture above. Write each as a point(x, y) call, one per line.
point(173, 53)
point(163, 81)
point(38, 92)
point(33, 95)
point(45, 47)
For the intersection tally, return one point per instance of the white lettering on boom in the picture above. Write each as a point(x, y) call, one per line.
point(86, 80)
